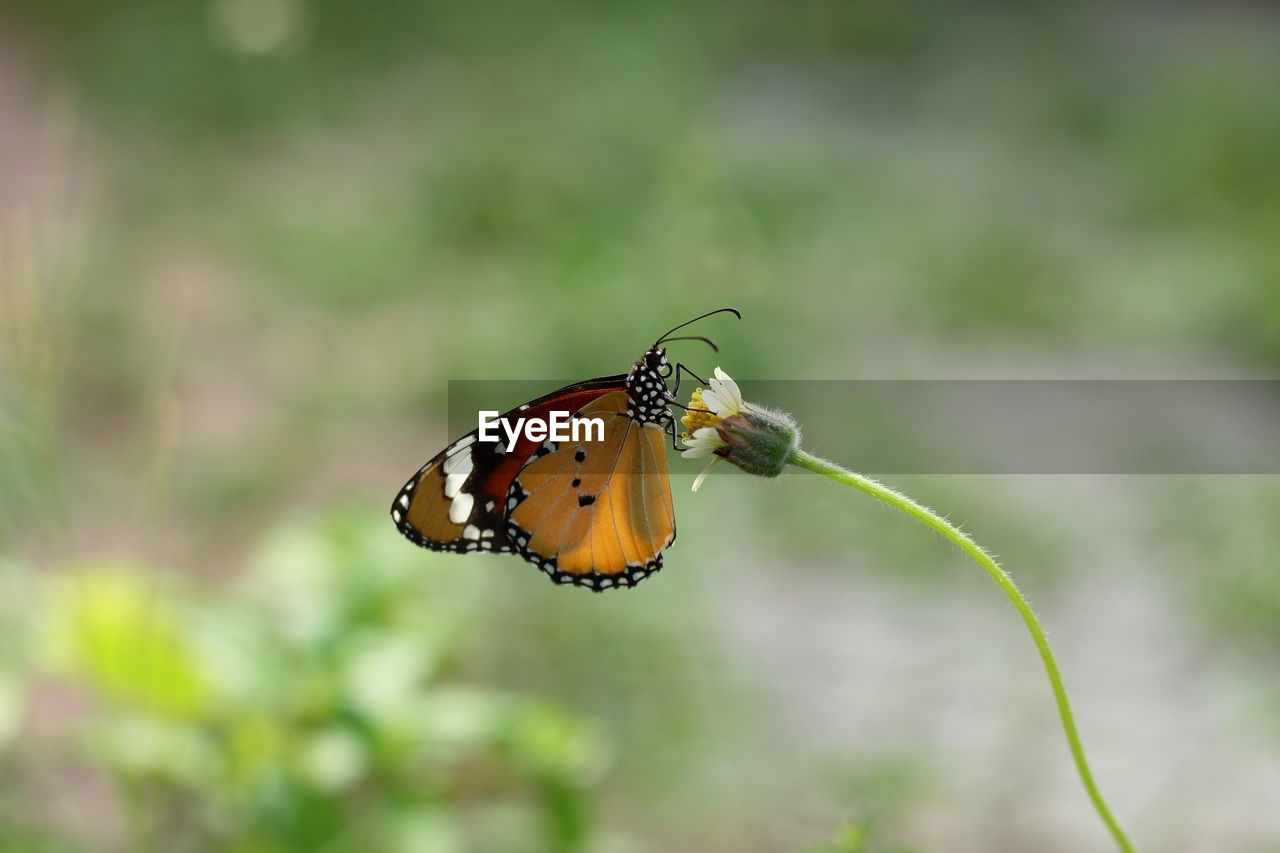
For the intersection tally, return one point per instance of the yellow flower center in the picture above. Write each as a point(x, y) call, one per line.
point(698, 416)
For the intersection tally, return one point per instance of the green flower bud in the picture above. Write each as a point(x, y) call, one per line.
point(759, 441)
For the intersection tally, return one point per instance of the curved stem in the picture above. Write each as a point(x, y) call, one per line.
point(960, 539)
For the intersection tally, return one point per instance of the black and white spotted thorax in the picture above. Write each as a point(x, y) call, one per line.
point(648, 398)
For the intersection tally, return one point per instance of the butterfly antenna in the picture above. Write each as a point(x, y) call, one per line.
point(706, 341)
point(734, 311)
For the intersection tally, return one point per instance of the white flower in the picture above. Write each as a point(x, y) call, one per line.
point(708, 408)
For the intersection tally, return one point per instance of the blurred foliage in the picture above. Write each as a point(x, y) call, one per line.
point(313, 706)
point(882, 788)
point(855, 838)
point(1221, 540)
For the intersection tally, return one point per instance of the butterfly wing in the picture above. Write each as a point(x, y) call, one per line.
point(459, 500)
point(597, 514)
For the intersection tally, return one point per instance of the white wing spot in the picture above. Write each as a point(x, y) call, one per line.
point(457, 463)
point(466, 441)
point(460, 509)
point(457, 474)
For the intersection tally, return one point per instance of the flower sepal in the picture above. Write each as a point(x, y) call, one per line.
point(759, 440)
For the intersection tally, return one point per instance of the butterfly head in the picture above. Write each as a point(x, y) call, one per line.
point(655, 361)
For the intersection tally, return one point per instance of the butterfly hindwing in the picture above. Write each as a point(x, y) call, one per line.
point(597, 514)
point(444, 506)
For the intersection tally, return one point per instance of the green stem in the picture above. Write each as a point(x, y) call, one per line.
point(929, 517)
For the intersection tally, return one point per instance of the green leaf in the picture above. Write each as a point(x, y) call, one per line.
point(115, 628)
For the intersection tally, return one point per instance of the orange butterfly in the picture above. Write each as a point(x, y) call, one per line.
point(593, 511)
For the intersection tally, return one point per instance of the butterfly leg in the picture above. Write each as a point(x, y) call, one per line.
point(671, 431)
point(681, 368)
point(671, 424)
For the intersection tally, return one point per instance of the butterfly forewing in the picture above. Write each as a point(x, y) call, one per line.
point(595, 513)
point(458, 500)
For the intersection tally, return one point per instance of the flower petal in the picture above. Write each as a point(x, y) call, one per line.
point(703, 442)
point(697, 483)
point(711, 399)
point(708, 435)
point(725, 397)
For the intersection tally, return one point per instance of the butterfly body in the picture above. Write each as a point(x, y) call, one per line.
point(590, 513)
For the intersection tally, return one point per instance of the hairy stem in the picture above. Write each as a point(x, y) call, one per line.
point(954, 534)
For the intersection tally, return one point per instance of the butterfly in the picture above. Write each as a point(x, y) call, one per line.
point(592, 511)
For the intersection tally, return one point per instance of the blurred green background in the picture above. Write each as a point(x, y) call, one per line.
point(244, 245)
